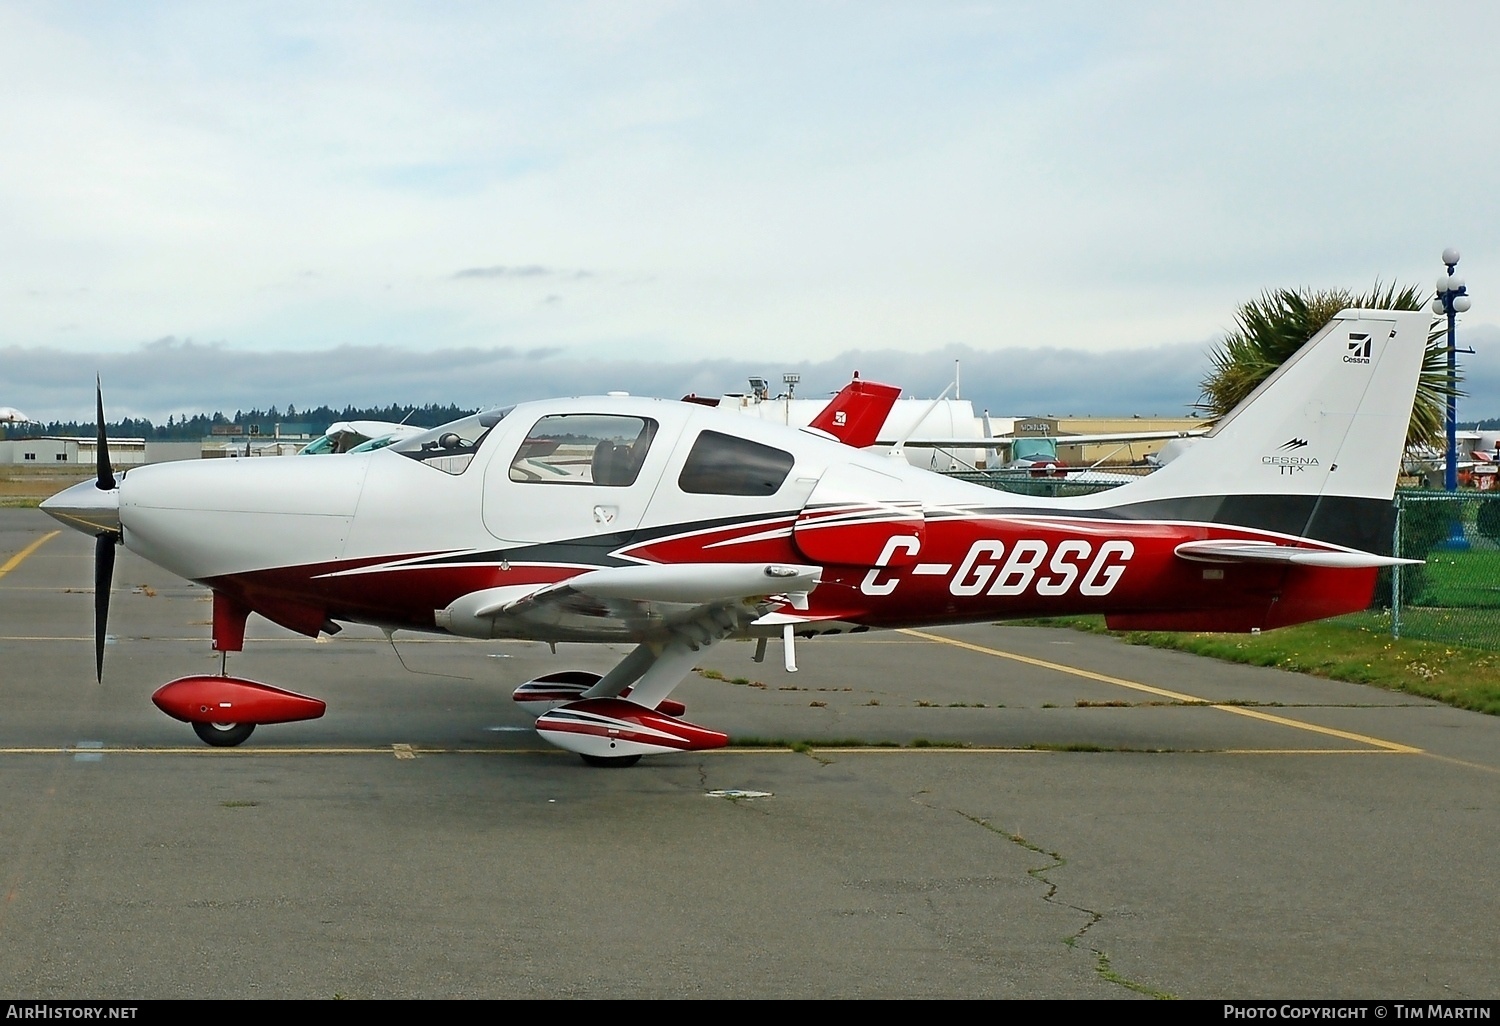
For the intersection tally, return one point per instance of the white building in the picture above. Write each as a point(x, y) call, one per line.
point(55, 451)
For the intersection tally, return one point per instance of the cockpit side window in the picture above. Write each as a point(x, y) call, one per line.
point(451, 448)
point(722, 464)
point(584, 449)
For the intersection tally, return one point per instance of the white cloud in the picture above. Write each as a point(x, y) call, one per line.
point(174, 376)
point(785, 181)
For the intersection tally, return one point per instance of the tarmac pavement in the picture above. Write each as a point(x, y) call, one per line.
point(1326, 841)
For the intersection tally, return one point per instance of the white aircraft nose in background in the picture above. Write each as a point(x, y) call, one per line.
point(11, 415)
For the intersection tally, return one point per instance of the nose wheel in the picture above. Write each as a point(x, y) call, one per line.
point(223, 735)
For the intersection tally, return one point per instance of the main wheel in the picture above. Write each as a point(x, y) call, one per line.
point(223, 735)
point(611, 761)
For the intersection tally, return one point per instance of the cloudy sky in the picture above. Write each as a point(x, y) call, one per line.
point(220, 206)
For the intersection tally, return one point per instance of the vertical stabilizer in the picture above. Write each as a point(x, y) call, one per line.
point(856, 415)
point(1315, 450)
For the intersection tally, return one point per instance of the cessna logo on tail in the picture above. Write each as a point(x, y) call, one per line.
point(1359, 347)
point(1286, 464)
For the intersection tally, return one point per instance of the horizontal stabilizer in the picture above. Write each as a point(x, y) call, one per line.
point(1268, 552)
point(1006, 443)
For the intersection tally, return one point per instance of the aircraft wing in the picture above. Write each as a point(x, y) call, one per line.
point(636, 601)
point(1269, 552)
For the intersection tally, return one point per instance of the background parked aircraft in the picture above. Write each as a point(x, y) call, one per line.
point(358, 436)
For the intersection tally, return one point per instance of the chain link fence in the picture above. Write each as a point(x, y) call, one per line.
point(1454, 596)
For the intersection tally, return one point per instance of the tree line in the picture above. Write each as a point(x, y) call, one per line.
point(200, 425)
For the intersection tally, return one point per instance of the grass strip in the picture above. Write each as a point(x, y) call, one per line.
point(1466, 678)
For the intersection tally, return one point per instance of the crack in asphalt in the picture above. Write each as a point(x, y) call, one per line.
point(1101, 958)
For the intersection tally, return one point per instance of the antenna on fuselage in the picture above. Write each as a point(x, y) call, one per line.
point(899, 449)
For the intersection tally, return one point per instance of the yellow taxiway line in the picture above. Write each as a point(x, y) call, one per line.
point(16, 560)
point(1386, 746)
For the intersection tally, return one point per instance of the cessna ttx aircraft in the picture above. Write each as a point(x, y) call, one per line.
point(674, 526)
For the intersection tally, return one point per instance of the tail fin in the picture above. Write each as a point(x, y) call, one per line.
point(1315, 450)
point(857, 413)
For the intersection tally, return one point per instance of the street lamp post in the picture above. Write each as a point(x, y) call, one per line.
point(1452, 299)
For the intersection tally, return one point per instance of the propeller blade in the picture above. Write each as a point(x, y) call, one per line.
point(106, 481)
point(104, 572)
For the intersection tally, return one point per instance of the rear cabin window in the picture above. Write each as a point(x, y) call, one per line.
point(588, 449)
point(729, 465)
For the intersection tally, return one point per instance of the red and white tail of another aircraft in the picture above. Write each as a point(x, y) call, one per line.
point(673, 526)
point(856, 415)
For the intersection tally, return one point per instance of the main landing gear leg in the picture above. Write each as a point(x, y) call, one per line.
point(625, 673)
point(651, 672)
point(667, 669)
point(610, 726)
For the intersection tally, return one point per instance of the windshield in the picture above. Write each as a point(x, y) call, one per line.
point(1034, 449)
point(319, 446)
point(374, 443)
point(451, 448)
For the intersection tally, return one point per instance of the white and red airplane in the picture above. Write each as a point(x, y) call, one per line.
point(674, 526)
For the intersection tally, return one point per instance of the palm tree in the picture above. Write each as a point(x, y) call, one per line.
point(1270, 329)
